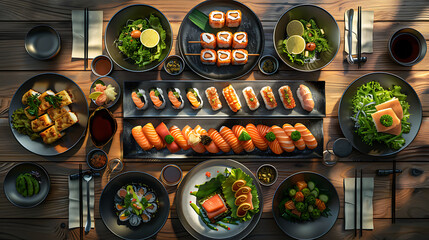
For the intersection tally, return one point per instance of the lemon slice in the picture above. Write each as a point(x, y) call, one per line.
point(149, 38)
point(94, 95)
point(295, 27)
point(295, 44)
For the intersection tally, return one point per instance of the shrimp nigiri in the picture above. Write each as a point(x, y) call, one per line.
point(243, 137)
point(179, 138)
point(206, 140)
point(284, 140)
point(231, 139)
point(257, 139)
point(151, 135)
point(289, 129)
point(193, 139)
point(273, 143)
point(140, 138)
point(218, 140)
point(309, 139)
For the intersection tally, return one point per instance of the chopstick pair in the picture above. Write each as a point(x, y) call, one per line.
point(86, 26)
point(361, 202)
point(80, 204)
point(359, 36)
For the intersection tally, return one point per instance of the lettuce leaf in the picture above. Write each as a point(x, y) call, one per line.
point(210, 187)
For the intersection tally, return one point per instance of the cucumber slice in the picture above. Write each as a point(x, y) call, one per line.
point(30, 188)
point(324, 198)
point(310, 208)
point(311, 185)
point(36, 185)
point(315, 193)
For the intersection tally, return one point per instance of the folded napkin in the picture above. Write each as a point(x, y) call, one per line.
point(74, 202)
point(367, 31)
point(349, 199)
point(95, 33)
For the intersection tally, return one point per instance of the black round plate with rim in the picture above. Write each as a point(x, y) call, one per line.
point(191, 221)
point(42, 42)
point(115, 26)
point(107, 80)
point(309, 229)
point(56, 83)
point(345, 111)
point(16, 198)
point(190, 32)
point(324, 20)
point(108, 211)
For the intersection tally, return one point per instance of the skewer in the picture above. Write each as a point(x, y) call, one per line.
point(194, 41)
point(198, 54)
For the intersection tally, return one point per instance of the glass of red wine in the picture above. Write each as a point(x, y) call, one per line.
point(407, 47)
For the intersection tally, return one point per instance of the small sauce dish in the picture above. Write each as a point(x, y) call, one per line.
point(268, 65)
point(174, 65)
point(267, 175)
point(96, 159)
point(102, 65)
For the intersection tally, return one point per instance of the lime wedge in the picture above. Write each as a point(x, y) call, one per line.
point(294, 27)
point(94, 95)
point(295, 44)
point(149, 38)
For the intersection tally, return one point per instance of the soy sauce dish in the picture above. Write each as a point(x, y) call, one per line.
point(42, 42)
point(102, 127)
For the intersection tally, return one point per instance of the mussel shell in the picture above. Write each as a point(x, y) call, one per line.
point(141, 192)
point(146, 217)
point(153, 208)
point(150, 197)
point(135, 220)
point(118, 192)
point(119, 206)
point(125, 219)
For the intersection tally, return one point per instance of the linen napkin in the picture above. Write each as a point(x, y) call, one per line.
point(367, 206)
point(95, 33)
point(74, 202)
point(367, 31)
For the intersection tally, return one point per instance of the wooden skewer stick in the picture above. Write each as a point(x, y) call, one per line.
point(198, 54)
point(253, 54)
point(194, 41)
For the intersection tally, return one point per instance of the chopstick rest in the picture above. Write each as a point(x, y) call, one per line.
point(95, 33)
point(367, 32)
point(74, 202)
point(367, 204)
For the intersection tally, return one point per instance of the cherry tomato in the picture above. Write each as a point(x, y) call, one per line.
point(310, 46)
point(136, 34)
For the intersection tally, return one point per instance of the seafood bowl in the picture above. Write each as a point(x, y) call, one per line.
point(134, 205)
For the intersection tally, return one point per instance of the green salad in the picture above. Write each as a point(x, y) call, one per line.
point(129, 41)
point(367, 97)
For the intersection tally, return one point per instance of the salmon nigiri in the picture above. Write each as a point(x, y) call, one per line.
point(157, 98)
point(243, 137)
point(193, 139)
point(284, 140)
point(167, 138)
point(231, 139)
point(289, 129)
point(139, 98)
point(218, 140)
point(274, 143)
point(151, 135)
point(179, 138)
point(305, 97)
point(194, 98)
point(140, 138)
point(175, 98)
point(206, 140)
point(309, 139)
point(257, 139)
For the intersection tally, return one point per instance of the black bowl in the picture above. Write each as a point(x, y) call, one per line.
point(310, 229)
point(10, 189)
point(56, 83)
point(42, 42)
point(118, 21)
point(323, 19)
point(345, 111)
point(108, 211)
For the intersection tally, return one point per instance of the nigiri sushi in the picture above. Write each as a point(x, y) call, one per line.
point(239, 40)
point(268, 97)
point(213, 98)
point(139, 98)
point(231, 139)
point(239, 56)
point(309, 139)
point(218, 140)
point(294, 135)
point(194, 98)
point(270, 139)
point(217, 19)
point(140, 138)
point(286, 97)
point(243, 137)
point(208, 56)
point(208, 40)
point(152, 136)
point(377, 119)
point(175, 98)
point(394, 104)
point(206, 140)
point(179, 138)
point(157, 97)
point(167, 138)
point(224, 39)
point(257, 139)
point(223, 57)
point(231, 98)
point(233, 18)
point(251, 98)
point(284, 140)
point(305, 97)
point(193, 138)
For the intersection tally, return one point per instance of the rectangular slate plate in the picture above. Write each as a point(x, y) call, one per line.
point(316, 87)
point(132, 149)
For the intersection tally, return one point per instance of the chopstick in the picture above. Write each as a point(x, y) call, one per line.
point(359, 35)
point(394, 193)
point(361, 201)
point(80, 203)
point(355, 212)
point(85, 22)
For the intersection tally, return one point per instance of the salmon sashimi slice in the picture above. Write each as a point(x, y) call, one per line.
point(213, 204)
point(137, 101)
point(155, 99)
point(287, 97)
point(257, 139)
point(175, 101)
point(163, 132)
point(289, 129)
point(218, 140)
point(140, 138)
point(153, 137)
point(193, 99)
point(394, 104)
point(377, 116)
point(247, 145)
point(219, 212)
point(213, 98)
point(231, 139)
point(395, 131)
point(198, 147)
point(285, 142)
point(305, 97)
point(179, 138)
point(210, 146)
point(309, 139)
point(274, 145)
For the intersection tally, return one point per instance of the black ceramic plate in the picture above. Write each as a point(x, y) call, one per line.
point(190, 32)
point(310, 229)
point(345, 111)
point(132, 149)
point(317, 88)
point(108, 212)
point(56, 83)
point(10, 189)
point(191, 221)
point(115, 26)
point(42, 42)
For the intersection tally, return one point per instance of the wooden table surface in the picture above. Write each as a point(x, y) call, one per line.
point(50, 219)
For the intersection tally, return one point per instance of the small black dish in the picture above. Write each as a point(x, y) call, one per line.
point(42, 42)
point(102, 127)
point(181, 63)
point(91, 154)
point(268, 58)
point(273, 171)
point(412, 47)
point(9, 185)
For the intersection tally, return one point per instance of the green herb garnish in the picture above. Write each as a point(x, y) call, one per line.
point(22, 124)
point(244, 136)
point(169, 139)
point(54, 100)
point(295, 136)
point(386, 120)
point(34, 102)
point(270, 136)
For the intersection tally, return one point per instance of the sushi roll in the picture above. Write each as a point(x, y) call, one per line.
point(239, 40)
point(305, 97)
point(217, 19)
point(251, 99)
point(194, 98)
point(139, 98)
point(232, 98)
point(233, 18)
point(268, 96)
point(208, 56)
point(213, 98)
point(239, 57)
point(157, 97)
point(175, 98)
point(287, 97)
point(224, 39)
point(208, 40)
point(223, 57)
